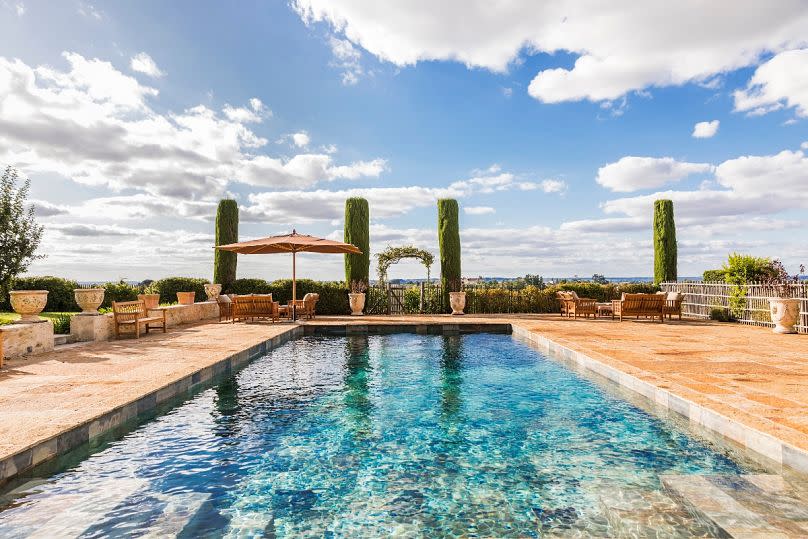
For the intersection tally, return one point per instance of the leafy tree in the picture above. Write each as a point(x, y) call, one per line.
point(357, 232)
point(599, 279)
point(225, 262)
point(19, 233)
point(665, 256)
point(534, 280)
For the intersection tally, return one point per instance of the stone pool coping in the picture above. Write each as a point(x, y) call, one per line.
point(49, 446)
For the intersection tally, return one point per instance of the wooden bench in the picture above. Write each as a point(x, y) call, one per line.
point(649, 305)
point(253, 307)
point(134, 313)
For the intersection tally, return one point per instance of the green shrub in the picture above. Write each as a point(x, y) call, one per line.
point(714, 276)
point(225, 262)
point(60, 292)
point(665, 256)
point(168, 288)
point(250, 286)
point(61, 323)
point(449, 243)
point(357, 232)
point(720, 314)
point(120, 291)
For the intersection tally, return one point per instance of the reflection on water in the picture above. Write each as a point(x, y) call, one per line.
point(372, 436)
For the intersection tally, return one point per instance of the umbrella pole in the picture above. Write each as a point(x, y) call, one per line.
point(294, 288)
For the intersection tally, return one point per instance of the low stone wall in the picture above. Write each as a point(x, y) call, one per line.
point(27, 339)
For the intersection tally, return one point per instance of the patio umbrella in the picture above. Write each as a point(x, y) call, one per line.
point(291, 243)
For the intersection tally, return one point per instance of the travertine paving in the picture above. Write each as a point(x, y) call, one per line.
point(748, 374)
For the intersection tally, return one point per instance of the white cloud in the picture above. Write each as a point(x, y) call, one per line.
point(553, 186)
point(478, 210)
point(301, 139)
point(804, 145)
point(782, 82)
point(619, 48)
point(634, 173)
point(347, 58)
point(705, 129)
point(95, 125)
point(507, 92)
point(19, 9)
point(90, 11)
point(143, 63)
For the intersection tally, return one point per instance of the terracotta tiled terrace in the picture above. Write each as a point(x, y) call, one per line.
point(747, 374)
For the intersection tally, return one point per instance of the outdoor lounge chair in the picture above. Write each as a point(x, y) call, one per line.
point(673, 304)
point(254, 307)
point(305, 307)
point(647, 305)
point(573, 306)
point(225, 307)
point(134, 314)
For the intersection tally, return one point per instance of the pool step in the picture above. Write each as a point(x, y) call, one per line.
point(652, 514)
point(745, 506)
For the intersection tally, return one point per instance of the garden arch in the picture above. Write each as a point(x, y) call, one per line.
point(392, 255)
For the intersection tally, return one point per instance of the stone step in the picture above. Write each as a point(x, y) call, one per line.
point(746, 505)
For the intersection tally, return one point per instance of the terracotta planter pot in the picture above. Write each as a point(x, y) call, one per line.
point(457, 301)
point(357, 303)
point(785, 312)
point(151, 301)
point(28, 304)
point(89, 299)
point(185, 298)
point(213, 291)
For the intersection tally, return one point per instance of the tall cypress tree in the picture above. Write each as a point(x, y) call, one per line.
point(449, 242)
point(224, 262)
point(664, 242)
point(357, 232)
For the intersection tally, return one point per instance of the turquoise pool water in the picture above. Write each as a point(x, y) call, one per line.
point(423, 436)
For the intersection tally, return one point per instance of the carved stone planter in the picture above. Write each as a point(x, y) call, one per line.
point(213, 291)
point(357, 303)
point(785, 312)
point(151, 301)
point(89, 299)
point(185, 298)
point(457, 301)
point(28, 304)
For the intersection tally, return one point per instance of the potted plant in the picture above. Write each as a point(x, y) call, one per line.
point(89, 299)
point(784, 308)
point(150, 301)
point(28, 304)
point(457, 298)
point(213, 291)
point(356, 298)
point(186, 298)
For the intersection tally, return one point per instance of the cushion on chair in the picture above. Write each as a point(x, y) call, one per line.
point(674, 296)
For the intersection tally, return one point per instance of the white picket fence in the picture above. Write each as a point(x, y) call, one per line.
point(701, 298)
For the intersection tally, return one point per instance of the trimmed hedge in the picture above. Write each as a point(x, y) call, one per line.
point(714, 276)
point(250, 286)
point(60, 297)
point(333, 295)
point(120, 291)
point(168, 288)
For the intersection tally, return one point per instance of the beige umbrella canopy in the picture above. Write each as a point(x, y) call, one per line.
point(291, 243)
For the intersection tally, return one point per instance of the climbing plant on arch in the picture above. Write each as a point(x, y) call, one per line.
point(392, 255)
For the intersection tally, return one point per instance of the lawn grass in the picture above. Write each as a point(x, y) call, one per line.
point(10, 318)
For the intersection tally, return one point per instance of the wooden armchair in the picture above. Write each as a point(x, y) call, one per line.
point(305, 307)
point(673, 304)
point(573, 306)
point(647, 305)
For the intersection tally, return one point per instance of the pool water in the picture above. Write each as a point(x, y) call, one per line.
point(368, 436)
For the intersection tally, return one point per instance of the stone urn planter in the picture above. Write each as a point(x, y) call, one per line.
point(213, 291)
point(457, 301)
point(186, 298)
point(784, 312)
point(151, 301)
point(89, 299)
point(28, 304)
point(357, 302)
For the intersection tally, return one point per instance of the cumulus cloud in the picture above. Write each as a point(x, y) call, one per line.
point(95, 125)
point(143, 63)
point(634, 173)
point(301, 139)
point(346, 58)
point(662, 44)
point(705, 129)
point(478, 210)
point(782, 82)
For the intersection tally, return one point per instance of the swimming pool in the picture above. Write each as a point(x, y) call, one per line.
point(374, 435)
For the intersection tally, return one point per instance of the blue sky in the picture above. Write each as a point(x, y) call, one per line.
point(554, 126)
